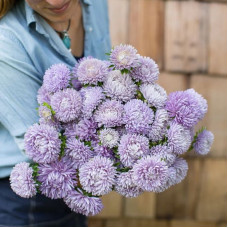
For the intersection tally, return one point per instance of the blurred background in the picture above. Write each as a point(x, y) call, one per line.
point(188, 40)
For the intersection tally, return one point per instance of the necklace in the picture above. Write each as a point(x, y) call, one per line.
point(65, 36)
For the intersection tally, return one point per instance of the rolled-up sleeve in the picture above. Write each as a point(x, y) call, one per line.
point(19, 83)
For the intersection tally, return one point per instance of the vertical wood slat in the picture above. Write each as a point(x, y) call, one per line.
point(119, 23)
point(146, 25)
point(186, 27)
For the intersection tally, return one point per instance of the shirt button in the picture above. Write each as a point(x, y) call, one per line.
point(90, 29)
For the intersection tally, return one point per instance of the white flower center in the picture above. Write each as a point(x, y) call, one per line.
point(110, 114)
point(65, 103)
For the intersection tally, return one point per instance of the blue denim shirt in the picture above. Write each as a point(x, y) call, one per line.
point(28, 47)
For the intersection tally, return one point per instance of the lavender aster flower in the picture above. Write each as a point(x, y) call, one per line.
point(132, 148)
point(57, 178)
point(203, 142)
point(42, 143)
point(70, 129)
point(147, 71)
point(186, 107)
point(149, 173)
point(164, 153)
point(179, 138)
point(103, 151)
point(181, 167)
point(91, 98)
point(119, 86)
point(79, 152)
point(109, 137)
point(125, 185)
point(86, 129)
point(91, 71)
point(109, 114)
point(124, 57)
point(82, 204)
point(43, 95)
point(97, 176)
point(21, 180)
point(154, 94)
point(67, 105)
point(57, 77)
point(45, 112)
point(159, 127)
point(138, 117)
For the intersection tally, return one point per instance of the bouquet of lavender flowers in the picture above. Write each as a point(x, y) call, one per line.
point(108, 126)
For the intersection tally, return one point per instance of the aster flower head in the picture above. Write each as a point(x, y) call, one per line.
point(91, 71)
point(154, 94)
point(147, 71)
point(186, 107)
point(164, 153)
point(91, 98)
point(97, 176)
point(181, 167)
point(132, 147)
point(86, 129)
point(109, 114)
point(21, 180)
point(43, 95)
point(159, 127)
point(82, 204)
point(42, 143)
point(57, 178)
point(125, 185)
point(179, 138)
point(103, 151)
point(78, 151)
point(67, 105)
point(57, 77)
point(203, 142)
point(150, 173)
point(109, 137)
point(70, 129)
point(137, 117)
point(124, 57)
point(45, 112)
point(119, 86)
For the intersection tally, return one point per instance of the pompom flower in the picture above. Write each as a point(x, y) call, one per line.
point(179, 138)
point(119, 86)
point(164, 153)
point(91, 98)
point(147, 71)
point(21, 180)
point(42, 143)
point(109, 137)
point(103, 151)
point(125, 185)
point(78, 151)
point(150, 173)
point(109, 114)
point(67, 105)
point(91, 71)
point(154, 94)
point(137, 117)
point(203, 142)
point(181, 167)
point(186, 107)
point(57, 178)
point(124, 57)
point(159, 127)
point(57, 77)
point(86, 129)
point(132, 147)
point(82, 204)
point(97, 176)
point(43, 95)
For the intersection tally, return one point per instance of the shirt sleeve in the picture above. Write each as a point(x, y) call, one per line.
point(19, 83)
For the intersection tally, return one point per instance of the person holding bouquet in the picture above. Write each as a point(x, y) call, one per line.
point(35, 34)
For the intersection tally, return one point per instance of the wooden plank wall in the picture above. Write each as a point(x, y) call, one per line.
point(187, 39)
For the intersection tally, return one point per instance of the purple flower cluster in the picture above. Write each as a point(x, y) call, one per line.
point(108, 126)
